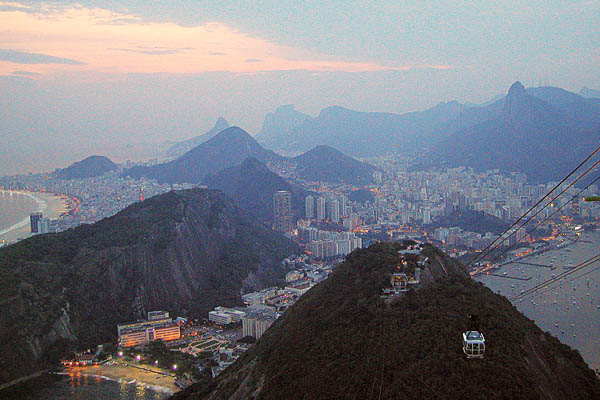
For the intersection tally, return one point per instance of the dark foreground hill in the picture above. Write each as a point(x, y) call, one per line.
point(87, 168)
point(227, 149)
point(181, 251)
point(252, 185)
point(326, 164)
point(341, 340)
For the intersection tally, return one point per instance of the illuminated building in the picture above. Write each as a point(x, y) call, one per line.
point(158, 327)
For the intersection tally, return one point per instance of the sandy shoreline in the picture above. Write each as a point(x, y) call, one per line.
point(120, 373)
point(51, 206)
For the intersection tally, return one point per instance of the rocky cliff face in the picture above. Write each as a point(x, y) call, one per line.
point(182, 251)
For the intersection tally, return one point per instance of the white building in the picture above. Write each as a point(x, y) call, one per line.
point(219, 318)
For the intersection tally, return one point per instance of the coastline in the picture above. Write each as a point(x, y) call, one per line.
point(50, 205)
point(126, 374)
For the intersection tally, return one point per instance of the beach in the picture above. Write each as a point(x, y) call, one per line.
point(50, 205)
point(129, 374)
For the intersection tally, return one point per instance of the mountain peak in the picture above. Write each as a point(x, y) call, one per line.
point(232, 131)
point(227, 149)
point(221, 124)
point(326, 164)
point(514, 98)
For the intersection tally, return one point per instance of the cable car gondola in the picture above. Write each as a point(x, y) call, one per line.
point(473, 339)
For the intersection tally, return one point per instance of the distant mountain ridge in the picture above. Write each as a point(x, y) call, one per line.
point(180, 148)
point(184, 251)
point(543, 132)
point(89, 167)
point(358, 133)
point(232, 146)
point(589, 93)
point(279, 127)
point(227, 149)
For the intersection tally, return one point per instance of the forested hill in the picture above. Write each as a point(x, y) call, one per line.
point(472, 221)
point(341, 340)
point(184, 252)
point(226, 149)
point(326, 164)
point(87, 168)
point(252, 185)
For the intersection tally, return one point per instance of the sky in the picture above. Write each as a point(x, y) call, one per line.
point(125, 78)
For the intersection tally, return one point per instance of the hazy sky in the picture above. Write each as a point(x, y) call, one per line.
point(119, 77)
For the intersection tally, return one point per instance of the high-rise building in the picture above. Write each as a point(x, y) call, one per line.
point(426, 216)
point(334, 211)
point(309, 205)
point(343, 205)
point(282, 211)
point(320, 208)
point(44, 225)
point(34, 219)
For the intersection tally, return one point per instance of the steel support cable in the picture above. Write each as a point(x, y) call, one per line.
point(536, 204)
point(557, 278)
point(533, 216)
point(382, 364)
point(574, 278)
point(544, 220)
point(553, 285)
point(380, 344)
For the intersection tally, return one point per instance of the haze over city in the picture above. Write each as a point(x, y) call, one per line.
point(299, 200)
point(119, 78)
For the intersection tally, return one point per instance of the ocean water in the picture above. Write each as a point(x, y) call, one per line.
point(570, 312)
point(81, 387)
point(15, 208)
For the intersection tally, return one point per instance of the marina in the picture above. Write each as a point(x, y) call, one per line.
point(570, 308)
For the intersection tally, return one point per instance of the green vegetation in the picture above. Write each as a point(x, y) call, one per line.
point(185, 252)
point(472, 221)
point(87, 168)
point(252, 185)
point(361, 196)
point(326, 164)
point(341, 340)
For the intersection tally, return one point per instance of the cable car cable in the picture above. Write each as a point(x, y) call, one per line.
point(538, 203)
point(484, 253)
point(557, 278)
point(568, 280)
point(544, 220)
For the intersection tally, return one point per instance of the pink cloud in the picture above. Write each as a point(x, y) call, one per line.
point(109, 42)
